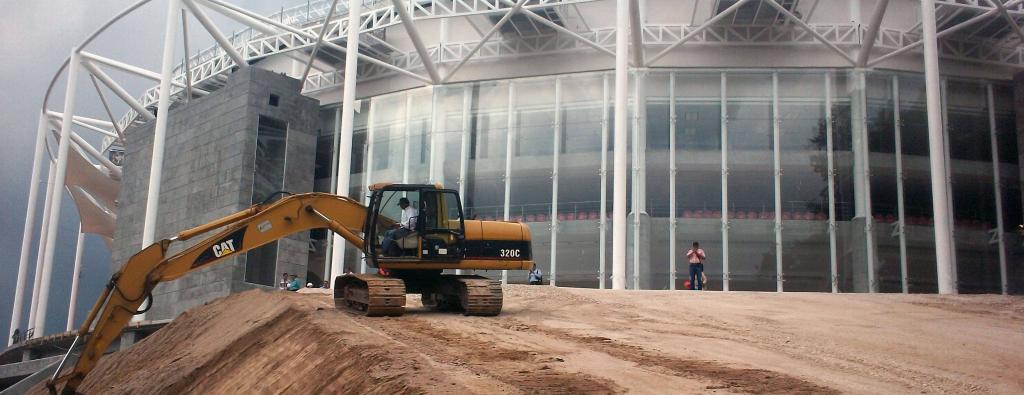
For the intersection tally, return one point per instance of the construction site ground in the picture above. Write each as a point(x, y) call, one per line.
point(560, 340)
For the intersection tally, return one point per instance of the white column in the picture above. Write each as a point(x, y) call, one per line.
point(949, 180)
point(603, 223)
point(557, 144)
point(777, 164)
point(336, 158)
point(621, 142)
point(639, 134)
point(510, 133)
point(26, 236)
point(672, 181)
point(345, 137)
point(41, 248)
point(156, 166)
point(998, 190)
point(725, 182)
point(830, 158)
point(900, 203)
point(75, 274)
point(936, 153)
point(58, 192)
point(467, 102)
point(371, 135)
point(865, 168)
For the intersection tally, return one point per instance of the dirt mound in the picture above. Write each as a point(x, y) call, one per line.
point(262, 342)
point(557, 340)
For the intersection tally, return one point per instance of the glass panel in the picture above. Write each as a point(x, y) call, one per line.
point(699, 174)
point(387, 129)
point(323, 181)
point(884, 191)
point(804, 182)
point(654, 270)
point(974, 213)
point(532, 164)
point(419, 135)
point(851, 251)
point(448, 135)
point(268, 178)
point(485, 188)
point(1010, 186)
point(579, 179)
point(751, 186)
point(920, 235)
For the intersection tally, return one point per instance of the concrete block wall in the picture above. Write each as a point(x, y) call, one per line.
point(208, 173)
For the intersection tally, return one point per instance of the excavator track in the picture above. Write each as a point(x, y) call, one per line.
point(370, 294)
point(478, 295)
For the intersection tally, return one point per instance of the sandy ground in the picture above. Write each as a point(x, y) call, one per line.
point(557, 340)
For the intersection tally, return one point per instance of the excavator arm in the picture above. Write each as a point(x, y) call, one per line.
point(130, 286)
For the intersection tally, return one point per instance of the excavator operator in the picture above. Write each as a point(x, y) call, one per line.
point(403, 228)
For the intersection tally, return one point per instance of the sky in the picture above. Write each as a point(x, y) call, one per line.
point(35, 37)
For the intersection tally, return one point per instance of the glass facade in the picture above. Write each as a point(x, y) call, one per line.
point(796, 180)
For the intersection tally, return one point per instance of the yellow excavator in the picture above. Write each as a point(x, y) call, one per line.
point(436, 238)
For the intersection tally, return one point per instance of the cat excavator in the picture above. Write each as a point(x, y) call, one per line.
point(437, 238)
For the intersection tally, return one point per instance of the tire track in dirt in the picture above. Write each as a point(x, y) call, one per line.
point(528, 370)
point(754, 381)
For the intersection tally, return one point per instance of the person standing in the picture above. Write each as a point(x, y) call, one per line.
point(695, 255)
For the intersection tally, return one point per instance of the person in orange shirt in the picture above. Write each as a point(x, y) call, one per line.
point(696, 257)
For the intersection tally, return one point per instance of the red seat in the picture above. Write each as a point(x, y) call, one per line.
point(531, 218)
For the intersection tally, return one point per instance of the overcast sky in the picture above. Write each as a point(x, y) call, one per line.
point(35, 37)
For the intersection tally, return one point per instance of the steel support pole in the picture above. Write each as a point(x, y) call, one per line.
point(949, 178)
point(75, 274)
point(74, 66)
point(997, 188)
point(672, 221)
point(937, 156)
point(557, 144)
point(830, 158)
point(467, 102)
point(621, 145)
point(639, 134)
point(725, 180)
point(41, 248)
point(160, 127)
point(869, 37)
point(30, 217)
point(185, 62)
point(900, 202)
point(225, 43)
point(414, 36)
point(777, 165)
point(603, 223)
point(345, 137)
point(862, 167)
point(371, 134)
point(510, 133)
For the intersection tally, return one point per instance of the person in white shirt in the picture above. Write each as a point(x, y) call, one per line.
point(405, 227)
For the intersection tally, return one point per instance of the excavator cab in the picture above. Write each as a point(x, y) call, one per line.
point(432, 229)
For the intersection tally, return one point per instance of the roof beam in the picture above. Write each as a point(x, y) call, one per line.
point(319, 40)
point(490, 33)
point(869, 37)
point(139, 71)
point(417, 40)
point(561, 29)
point(118, 90)
point(698, 30)
point(1009, 19)
point(943, 33)
point(106, 107)
point(809, 29)
point(216, 33)
point(329, 44)
point(94, 122)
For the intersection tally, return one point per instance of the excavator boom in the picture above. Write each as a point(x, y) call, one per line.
point(130, 286)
